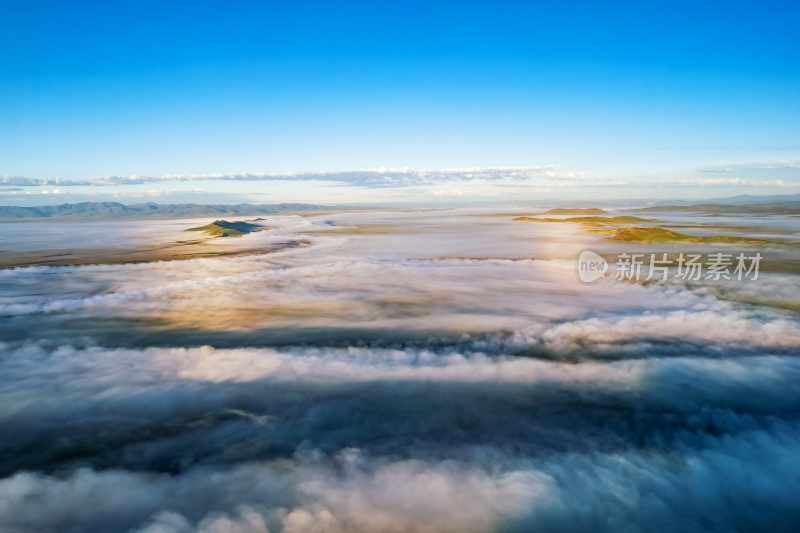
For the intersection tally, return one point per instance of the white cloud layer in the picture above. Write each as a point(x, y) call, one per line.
point(424, 371)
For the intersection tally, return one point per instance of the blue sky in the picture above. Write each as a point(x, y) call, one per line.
point(633, 91)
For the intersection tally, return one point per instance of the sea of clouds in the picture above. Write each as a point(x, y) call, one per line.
point(440, 377)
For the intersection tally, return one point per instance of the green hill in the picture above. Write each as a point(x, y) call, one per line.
point(622, 219)
point(223, 228)
point(575, 211)
point(663, 235)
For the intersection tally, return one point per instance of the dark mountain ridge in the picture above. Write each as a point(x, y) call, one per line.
point(91, 210)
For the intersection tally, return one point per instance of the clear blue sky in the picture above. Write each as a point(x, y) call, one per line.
point(607, 88)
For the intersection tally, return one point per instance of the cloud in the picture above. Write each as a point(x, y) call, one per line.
point(763, 165)
point(720, 486)
point(731, 328)
point(445, 374)
point(742, 182)
point(378, 178)
point(176, 409)
point(774, 173)
point(518, 306)
point(21, 181)
point(290, 496)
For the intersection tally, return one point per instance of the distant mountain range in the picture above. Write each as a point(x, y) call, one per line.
point(742, 206)
point(777, 204)
point(93, 210)
point(746, 199)
point(742, 199)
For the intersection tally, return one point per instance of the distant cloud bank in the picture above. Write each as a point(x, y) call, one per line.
point(402, 177)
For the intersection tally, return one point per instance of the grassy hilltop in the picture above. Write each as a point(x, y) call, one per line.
point(223, 228)
point(575, 211)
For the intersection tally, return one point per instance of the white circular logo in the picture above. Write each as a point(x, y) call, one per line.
point(591, 266)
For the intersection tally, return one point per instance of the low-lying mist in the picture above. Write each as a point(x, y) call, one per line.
point(431, 371)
